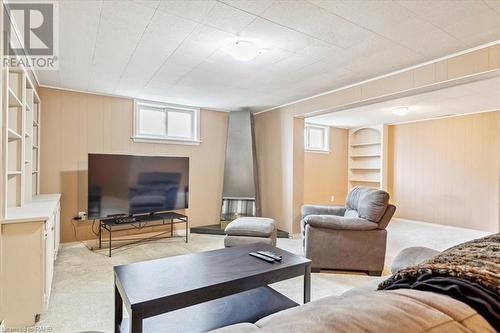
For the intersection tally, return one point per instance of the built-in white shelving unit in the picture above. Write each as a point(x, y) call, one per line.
point(367, 156)
point(21, 118)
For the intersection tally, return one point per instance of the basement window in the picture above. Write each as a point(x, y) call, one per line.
point(167, 123)
point(316, 138)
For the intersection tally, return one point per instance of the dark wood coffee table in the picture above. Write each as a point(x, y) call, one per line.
point(205, 290)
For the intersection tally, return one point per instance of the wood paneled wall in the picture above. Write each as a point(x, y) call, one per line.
point(447, 171)
point(325, 175)
point(274, 145)
point(298, 172)
point(75, 124)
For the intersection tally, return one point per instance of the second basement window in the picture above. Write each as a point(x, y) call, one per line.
point(316, 138)
point(158, 122)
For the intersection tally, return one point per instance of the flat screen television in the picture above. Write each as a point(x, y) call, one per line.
point(134, 185)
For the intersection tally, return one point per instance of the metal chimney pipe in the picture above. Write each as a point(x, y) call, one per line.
point(240, 190)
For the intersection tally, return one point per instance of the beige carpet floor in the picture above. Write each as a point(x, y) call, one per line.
point(82, 289)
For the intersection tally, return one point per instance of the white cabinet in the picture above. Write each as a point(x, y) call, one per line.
point(57, 230)
point(30, 240)
point(49, 256)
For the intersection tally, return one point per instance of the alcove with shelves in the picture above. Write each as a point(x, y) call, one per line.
point(367, 157)
point(21, 118)
point(14, 149)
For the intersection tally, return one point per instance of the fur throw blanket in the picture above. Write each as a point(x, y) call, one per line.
point(469, 273)
point(476, 261)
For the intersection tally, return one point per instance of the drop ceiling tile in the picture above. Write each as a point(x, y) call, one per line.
point(279, 74)
point(112, 50)
point(149, 3)
point(167, 75)
point(315, 21)
point(378, 56)
point(73, 77)
point(192, 9)
point(200, 77)
point(195, 49)
point(353, 10)
point(386, 19)
point(78, 20)
point(370, 46)
point(318, 50)
point(258, 100)
point(399, 24)
point(305, 57)
point(49, 78)
point(210, 36)
point(227, 18)
point(274, 35)
point(319, 68)
point(423, 38)
point(465, 21)
point(169, 26)
point(162, 37)
point(444, 12)
point(221, 62)
point(103, 81)
point(191, 53)
point(255, 7)
point(483, 23)
point(294, 62)
point(124, 14)
point(202, 95)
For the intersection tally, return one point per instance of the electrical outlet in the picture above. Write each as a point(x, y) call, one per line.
point(332, 198)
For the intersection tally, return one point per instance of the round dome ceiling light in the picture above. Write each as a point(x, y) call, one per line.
point(243, 49)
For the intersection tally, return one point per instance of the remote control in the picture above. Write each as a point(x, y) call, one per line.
point(270, 255)
point(261, 257)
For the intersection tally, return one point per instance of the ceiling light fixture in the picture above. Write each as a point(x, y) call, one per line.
point(243, 49)
point(401, 111)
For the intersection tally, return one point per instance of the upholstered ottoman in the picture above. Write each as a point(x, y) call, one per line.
point(248, 230)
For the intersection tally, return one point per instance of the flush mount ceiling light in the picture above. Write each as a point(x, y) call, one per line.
point(243, 49)
point(401, 111)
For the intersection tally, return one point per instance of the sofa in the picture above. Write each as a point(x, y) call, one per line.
point(402, 310)
point(373, 311)
point(350, 237)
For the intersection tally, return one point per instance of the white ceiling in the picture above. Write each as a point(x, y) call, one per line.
point(467, 98)
point(169, 50)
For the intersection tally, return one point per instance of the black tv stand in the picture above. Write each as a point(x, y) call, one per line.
point(138, 222)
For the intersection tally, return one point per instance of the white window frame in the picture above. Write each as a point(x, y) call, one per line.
point(165, 107)
point(326, 138)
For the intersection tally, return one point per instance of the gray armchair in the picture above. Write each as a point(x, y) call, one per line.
point(350, 237)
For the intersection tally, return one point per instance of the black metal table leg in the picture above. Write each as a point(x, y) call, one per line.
point(100, 234)
point(109, 241)
point(187, 233)
point(171, 227)
point(307, 284)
